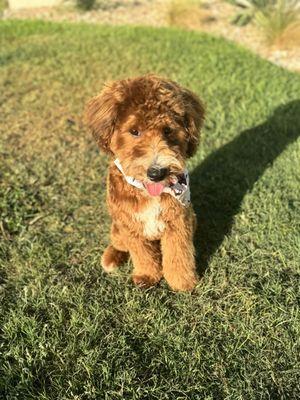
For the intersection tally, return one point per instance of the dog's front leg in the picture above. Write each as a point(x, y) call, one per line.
point(178, 255)
point(146, 258)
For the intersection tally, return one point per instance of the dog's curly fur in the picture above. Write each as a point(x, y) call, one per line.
point(156, 231)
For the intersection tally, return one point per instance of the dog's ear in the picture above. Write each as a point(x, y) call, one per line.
point(193, 120)
point(101, 114)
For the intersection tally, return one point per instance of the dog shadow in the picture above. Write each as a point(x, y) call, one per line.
point(221, 181)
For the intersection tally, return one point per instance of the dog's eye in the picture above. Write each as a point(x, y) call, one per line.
point(167, 131)
point(135, 132)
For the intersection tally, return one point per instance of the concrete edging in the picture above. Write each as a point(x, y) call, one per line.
point(19, 4)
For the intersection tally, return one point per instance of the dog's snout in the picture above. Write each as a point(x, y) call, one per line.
point(157, 173)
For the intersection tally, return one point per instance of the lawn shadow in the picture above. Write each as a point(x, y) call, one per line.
point(221, 181)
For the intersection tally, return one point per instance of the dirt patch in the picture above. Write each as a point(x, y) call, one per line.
point(215, 18)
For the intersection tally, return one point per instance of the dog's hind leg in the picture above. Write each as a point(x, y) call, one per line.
point(113, 258)
point(116, 253)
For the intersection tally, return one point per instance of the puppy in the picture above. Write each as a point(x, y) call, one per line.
point(149, 126)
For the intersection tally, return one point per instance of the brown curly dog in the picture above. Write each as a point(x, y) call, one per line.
point(149, 126)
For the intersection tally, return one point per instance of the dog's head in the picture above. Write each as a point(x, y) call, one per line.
point(150, 124)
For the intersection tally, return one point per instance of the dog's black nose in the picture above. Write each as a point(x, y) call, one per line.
point(157, 173)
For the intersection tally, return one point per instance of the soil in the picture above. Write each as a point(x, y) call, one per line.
point(215, 17)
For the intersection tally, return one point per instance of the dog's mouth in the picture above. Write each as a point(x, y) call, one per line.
point(156, 188)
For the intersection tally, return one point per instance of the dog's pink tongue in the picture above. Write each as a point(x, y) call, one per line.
point(154, 189)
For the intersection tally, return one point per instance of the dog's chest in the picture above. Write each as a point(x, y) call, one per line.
point(151, 218)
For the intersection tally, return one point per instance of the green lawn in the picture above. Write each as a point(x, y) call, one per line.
point(68, 331)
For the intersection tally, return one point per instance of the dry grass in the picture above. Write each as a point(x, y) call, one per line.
point(191, 14)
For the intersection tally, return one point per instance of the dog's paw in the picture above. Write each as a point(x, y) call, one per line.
point(182, 284)
point(145, 281)
point(112, 258)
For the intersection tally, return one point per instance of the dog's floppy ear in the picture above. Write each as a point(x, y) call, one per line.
point(193, 119)
point(101, 114)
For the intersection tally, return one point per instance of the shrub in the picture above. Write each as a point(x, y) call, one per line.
point(187, 13)
point(274, 17)
point(249, 8)
point(85, 4)
point(3, 6)
point(279, 19)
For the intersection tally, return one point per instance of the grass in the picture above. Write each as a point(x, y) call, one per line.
point(68, 331)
